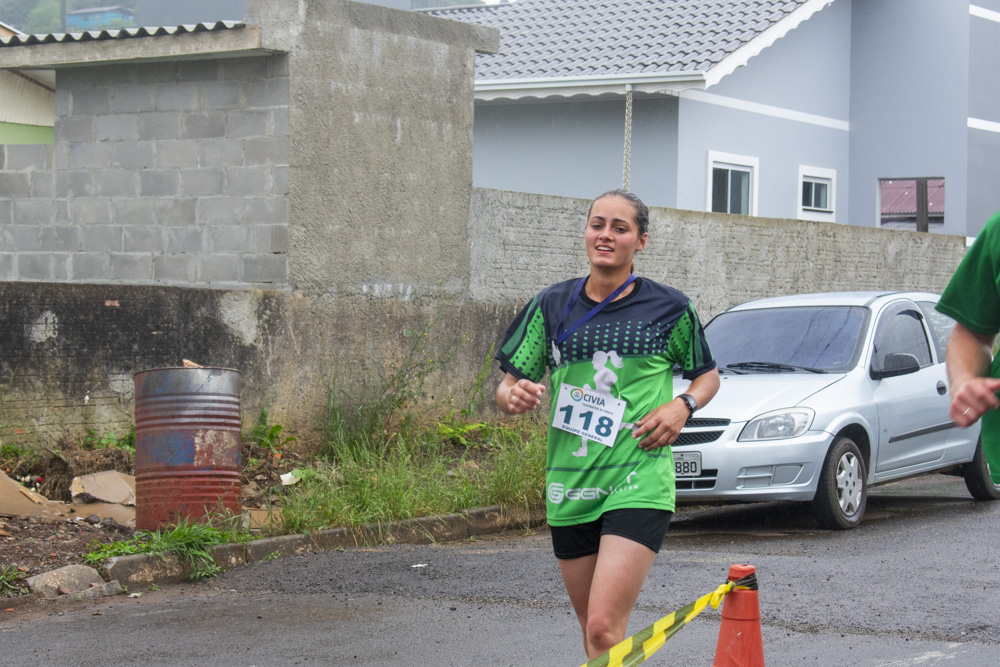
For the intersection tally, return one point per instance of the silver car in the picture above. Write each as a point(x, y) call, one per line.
point(823, 396)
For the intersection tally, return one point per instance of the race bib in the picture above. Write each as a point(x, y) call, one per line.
point(587, 413)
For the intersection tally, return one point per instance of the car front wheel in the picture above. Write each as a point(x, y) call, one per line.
point(977, 477)
point(843, 489)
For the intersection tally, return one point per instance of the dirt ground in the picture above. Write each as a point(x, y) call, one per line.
point(32, 545)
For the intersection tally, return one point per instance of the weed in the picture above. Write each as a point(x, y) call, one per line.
point(109, 440)
point(365, 421)
point(187, 541)
point(265, 436)
point(154, 587)
point(274, 555)
point(10, 585)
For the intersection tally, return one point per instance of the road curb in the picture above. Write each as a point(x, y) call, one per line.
point(139, 570)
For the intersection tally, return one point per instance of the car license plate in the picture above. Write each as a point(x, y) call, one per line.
point(687, 464)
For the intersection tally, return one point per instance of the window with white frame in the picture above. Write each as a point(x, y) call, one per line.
point(732, 183)
point(817, 194)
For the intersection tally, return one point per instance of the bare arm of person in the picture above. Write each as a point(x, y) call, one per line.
point(515, 397)
point(968, 357)
point(662, 426)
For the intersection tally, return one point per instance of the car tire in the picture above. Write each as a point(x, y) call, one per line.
point(977, 476)
point(842, 493)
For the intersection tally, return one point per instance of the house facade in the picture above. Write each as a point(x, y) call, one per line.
point(798, 109)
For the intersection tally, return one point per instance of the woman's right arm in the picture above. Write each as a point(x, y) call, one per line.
point(516, 397)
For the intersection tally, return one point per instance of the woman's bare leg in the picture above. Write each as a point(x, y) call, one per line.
point(603, 589)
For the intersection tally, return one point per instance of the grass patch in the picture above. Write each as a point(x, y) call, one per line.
point(187, 541)
point(10, 583)
point(420, 476)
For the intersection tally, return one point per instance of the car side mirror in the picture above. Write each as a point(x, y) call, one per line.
point(896, 364)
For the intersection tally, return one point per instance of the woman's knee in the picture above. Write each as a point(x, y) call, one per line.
point(602, 633)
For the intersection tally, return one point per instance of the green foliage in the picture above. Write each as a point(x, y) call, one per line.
point(421, 477)
point(187, 541)
point(109, 440)
point(10, 585)
point(267, 436)
point(367, 419)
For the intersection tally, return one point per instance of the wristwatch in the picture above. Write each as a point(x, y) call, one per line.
point(689, 401)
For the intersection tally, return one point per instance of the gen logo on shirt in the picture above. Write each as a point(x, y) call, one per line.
point(557, 493)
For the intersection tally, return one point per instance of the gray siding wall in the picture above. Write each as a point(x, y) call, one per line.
point(807, 72)
point(984, 104)
point(166, 173)
point(906, 125)
point(575, 148)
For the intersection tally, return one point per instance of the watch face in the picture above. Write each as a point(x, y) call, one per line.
point(691, 403)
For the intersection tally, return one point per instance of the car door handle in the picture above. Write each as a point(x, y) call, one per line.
point(942, 388)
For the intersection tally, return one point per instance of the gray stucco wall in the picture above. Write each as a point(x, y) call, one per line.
point(170, 173)
point(899, 127)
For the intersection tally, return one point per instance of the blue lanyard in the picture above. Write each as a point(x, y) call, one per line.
point(563, 335)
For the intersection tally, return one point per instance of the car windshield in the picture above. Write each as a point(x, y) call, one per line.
point(819, 339)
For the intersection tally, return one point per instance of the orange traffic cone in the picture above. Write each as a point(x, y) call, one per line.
point(740, 642)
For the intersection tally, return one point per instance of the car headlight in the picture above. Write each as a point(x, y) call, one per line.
point(777, 425)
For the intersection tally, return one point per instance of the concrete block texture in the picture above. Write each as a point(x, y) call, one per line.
point(203, 125)
point(89, 210)
point(202, 182)
point(158, 125)
point(118, 127)
point(101, 239)
point(137, 267)
point(176, 96)
point(134, 156)
point(143, 238)
point(56, 238)
point(185, 240)
point(118, 183)
point(91, 100)
point(264, 269)
point(133, 99)
point(76, 127)
point(174, 269)
point(26, 158)
point(14, 185)
point(219, 268)
point(159, 183)
point(177, 154)
point(248, 181)
point(90, 267)
point(229, 239)
point(221, 94)
point(221, 153)
point(35, 266)
point(88, 155)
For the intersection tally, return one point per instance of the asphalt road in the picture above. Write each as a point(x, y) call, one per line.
point(915, 584)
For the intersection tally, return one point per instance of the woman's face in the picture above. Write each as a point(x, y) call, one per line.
point(612, 236)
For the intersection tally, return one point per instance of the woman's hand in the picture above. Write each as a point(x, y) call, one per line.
point(661, 426)
point(515, 397)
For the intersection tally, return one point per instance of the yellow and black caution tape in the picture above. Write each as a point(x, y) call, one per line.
point(636, 649)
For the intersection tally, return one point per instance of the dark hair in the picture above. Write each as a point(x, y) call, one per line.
point(641, 211)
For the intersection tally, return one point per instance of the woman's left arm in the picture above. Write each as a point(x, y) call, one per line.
point(662, 426)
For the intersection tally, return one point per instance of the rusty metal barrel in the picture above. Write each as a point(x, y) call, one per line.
point(187, 445)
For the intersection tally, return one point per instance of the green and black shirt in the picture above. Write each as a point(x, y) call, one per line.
point(628, 350)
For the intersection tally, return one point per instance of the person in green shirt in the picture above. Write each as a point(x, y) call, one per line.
point(609, 342)
point(972, 299)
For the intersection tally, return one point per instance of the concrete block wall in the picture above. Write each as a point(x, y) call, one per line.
point(522, 242)
point(171, 173)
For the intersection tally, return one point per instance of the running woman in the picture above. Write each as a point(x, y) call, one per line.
point(609, 502)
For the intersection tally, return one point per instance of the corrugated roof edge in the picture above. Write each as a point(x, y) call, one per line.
point(123, 33)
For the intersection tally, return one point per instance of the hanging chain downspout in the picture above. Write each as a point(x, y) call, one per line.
point(628, 135)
